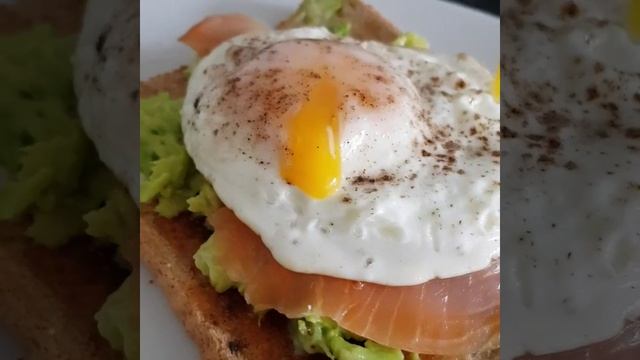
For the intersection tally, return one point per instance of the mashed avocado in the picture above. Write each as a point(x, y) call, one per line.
point(55, 177)
point(323, 13)
point(54, 174)
point(205, 259)
point(118, 320)
point(167, 173)
point(324, 336)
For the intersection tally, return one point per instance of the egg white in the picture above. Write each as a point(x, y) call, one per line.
point(107, 84)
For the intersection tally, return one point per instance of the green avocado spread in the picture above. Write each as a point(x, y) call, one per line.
point(323, 13)
point(167, 173)
point(53, 174)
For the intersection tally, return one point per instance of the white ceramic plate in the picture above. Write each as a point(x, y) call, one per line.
point(449, 29)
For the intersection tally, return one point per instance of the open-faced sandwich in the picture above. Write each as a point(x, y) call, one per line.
point(327, 189)
point(68, 225)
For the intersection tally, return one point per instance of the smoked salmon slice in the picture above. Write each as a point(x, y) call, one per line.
point(443, 316)
point(213, 30)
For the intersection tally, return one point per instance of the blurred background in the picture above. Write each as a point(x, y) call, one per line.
point(490, 6)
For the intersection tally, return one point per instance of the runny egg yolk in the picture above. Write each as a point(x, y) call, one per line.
point(633, 20)
point(310, 159)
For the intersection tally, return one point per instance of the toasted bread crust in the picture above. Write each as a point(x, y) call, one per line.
point(48, 297)
point(64, 16)
point(223, 325)
point(174, 83)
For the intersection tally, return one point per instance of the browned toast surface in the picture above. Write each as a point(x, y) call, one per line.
point(48, 298)
point(223, 325)
point(63, 15)
point(174, 83)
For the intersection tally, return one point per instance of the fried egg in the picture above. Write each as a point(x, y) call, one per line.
point(351, 159)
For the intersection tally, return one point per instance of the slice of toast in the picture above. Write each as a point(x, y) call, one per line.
point(48, 298)
point(223, 325)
